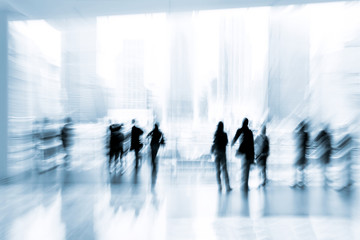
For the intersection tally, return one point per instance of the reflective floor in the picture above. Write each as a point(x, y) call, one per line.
point(84, 201)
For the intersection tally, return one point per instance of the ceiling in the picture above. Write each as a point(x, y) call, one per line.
point(47, 9)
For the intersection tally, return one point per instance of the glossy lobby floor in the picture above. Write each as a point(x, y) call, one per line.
point(84, 202)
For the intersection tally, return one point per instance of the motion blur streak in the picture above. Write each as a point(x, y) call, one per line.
point(113, 124)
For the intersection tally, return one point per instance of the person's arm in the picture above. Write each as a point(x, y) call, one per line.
point(252, 143)
point(257, 144)
point(237, 135)
point(162, 139)
point(257, 139)
point(319, 137)
point(121, 137)
point(150, 134)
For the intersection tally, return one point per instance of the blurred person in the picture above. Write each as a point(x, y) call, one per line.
point(108, 135)
point(246, 151)
point(219, 150)
point(49, 145)
point(116, 139)
point(323, 145)
point(345, 146)
point(67, 136)
point(302, 144)
point(136, 144)
point(262, 151)
point(157, 139)
point(121, 139)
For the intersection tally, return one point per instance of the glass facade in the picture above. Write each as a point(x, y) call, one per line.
point(274, 65)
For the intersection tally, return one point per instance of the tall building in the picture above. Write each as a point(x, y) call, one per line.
point(131, 92)
point(82, 88)
point(180, 97)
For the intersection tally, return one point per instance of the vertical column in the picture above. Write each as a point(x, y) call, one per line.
point(3, 93)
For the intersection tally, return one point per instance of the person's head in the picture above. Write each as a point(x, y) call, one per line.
point(116, 127)
point(220, 127)
point(263, 130)
point(245, 122)
point(156, 126)
point(68, 120)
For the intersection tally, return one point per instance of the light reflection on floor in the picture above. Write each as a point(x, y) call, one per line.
point(43, 222)
point(207, 218)
point(82, 201)
point(117, 223)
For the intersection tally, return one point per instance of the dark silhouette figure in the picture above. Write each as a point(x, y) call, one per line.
point(157, 139)
point(345, 148)
point(116, 144)
point(262, 151)
point(120, 140)
point(246, 151)
point(219, 150)
point(67, 137)
point(302, 143)
point(136, 144)
point(324, 148)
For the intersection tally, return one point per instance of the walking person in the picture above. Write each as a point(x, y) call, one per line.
point(121, 139)
point(136, 144)
point(219, 150)
point(246, 151)
point(345, 148)
point(324, 148)
point(67, 135)
point(157, 139)
point(262, 151)
point(302, 143)
point(116, 139)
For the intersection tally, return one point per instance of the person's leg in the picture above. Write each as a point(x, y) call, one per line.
point(296, 170)
point(153, 157)
point(302, 176)
point(116, 159)
point(154, 163)
point(218, 171)
point(323, 169)
point(121, 156)
point(66, 154)
point(245, 173)
point(225, 172)
point(264, 174)
point(111, 155)
point(262, 170)
point(153, 173)
point(156, 159)
point(247, 176)
point(136, 158)
point(348, 159)
point(261, 174)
